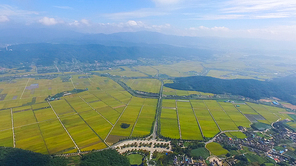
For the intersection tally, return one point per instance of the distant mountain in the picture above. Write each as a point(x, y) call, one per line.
point(42, 35)
point(46, 54)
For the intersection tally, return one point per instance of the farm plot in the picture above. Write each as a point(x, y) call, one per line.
point(61, 107)
point(97, 123)
point(123, 127)
point(269, 116)
point(105, 83)
point(236, 134)
point(238, 118)
point(169, 124)
point(109, 113)
point(151, 102)
point(220, 116)
point(188, 124)
point(24, 117)
point(280, 112)
point(181, 69)
point(119, 96)
point(6, 138)
point(82, 82)
point(147, 70)
point(44, 114)
point(14, 89)
point(89, 97)
point(78, 104)
point(5, 119)
point(208, 125)
point(40, 106)
point(124, 72)
point(216, 149)
point(137, 101)
point(145, 121)
point(55, 137)
point(145, 85)
point(166, 103)
point(84, 137)
point(29, 138)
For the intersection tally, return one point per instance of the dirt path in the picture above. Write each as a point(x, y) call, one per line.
point(12, 127)
point(196, 120)
point(72, 83)
point(25, 88)
point(137, 120)
point(178, 120)
point(117, 119)
point(212, 116)
point(65, 128)
point(95, 110)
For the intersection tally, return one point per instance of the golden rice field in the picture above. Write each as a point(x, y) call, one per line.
point(105, 113)
point(78, 122)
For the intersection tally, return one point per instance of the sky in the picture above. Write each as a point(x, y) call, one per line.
point(264, 19)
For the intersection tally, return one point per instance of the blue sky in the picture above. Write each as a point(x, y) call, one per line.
point(268, 19)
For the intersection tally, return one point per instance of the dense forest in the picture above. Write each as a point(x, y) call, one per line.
point(19, 157)
point(282, 88)
point(109, 157)
point(46, 54)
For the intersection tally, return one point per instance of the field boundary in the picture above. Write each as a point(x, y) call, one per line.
point(117, 120)
point(137, 119)
point(180, 132)
point(197, 120)
point(212, 116)
point(226, 113)
point(95, 110)
point(86, 123)
point(12, 127)
point(65, 128)
point(40, 131)
point(25, 88)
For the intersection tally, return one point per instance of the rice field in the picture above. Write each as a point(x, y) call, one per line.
point(145, 85)
point(216, 149)
point(221, 117)
point(94, 119)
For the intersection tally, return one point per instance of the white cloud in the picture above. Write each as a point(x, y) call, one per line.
point(80, 23)
point(135, 14)
point(84, 21)
point(4, 19)
point(8, 10)
point(132, 23)
point(239, 6)
point(63, 7)
point(166, 2)
point(48, 21)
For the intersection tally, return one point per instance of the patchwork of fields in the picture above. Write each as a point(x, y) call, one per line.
point(105, 113)
point(195, 119)
point(79, 122)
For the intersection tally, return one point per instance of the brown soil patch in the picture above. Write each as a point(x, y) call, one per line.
point(113, 139)
point(291, 113)
point(169, 108)
point(293, 107)
point(265, 100)
point(120, 106)
point(91, 144)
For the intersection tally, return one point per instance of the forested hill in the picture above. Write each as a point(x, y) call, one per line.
point(283, 88)
point(45, 54)
point(20, 157)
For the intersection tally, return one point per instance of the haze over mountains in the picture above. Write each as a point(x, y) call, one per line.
point(43, 35)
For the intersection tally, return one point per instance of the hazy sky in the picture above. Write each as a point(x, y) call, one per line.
point(269, 19)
